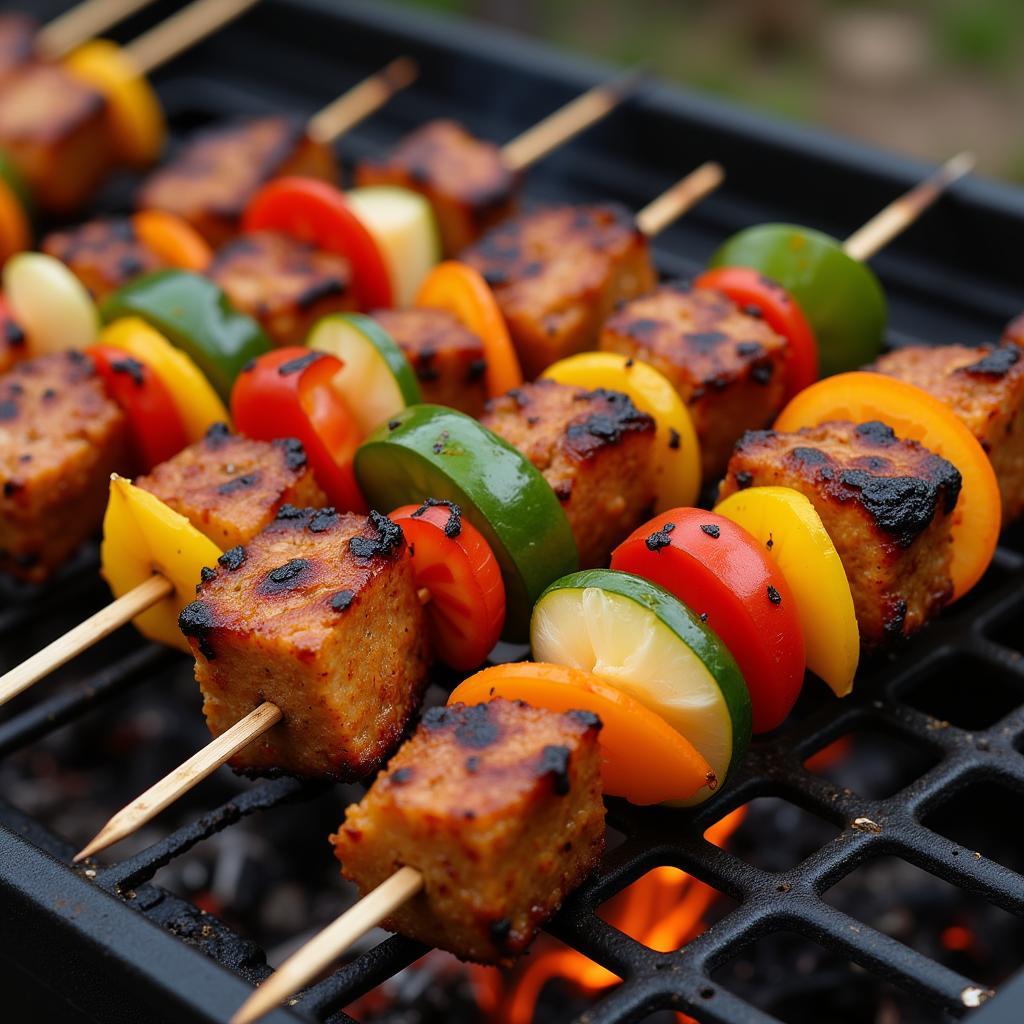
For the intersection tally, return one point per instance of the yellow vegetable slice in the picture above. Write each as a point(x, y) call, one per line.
point(194, 397)
point(49, 303)
point(141, 536)
point(677, 452)
point(136, 117)
point(796, 540)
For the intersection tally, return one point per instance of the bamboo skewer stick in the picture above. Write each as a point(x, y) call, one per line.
point(304, 965)
point(677, 199)
point(866, 241)
point(83, 22)
point(189, 774)
point(116, 614)
point(361, 100)
point(557, 128)
point(182, 30)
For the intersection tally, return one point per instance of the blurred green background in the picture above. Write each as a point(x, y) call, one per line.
point(926, 77)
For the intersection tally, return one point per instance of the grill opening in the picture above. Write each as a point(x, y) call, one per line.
point(873, 872)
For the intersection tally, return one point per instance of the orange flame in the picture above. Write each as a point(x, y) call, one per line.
point(639, 911)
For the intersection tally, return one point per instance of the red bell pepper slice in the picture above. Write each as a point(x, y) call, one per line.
point(288, 393)
point(317, 213)
point(156, 428)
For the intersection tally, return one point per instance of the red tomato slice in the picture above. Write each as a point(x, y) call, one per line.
point(467, 596)
point(317, 213)
point(747, 287)
point(720, 571)
point(288, 393)
point(156, 428)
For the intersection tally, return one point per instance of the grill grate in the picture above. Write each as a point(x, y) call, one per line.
point(89, 933)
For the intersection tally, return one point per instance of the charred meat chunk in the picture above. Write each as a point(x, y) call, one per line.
point(447, 357)
point(347, 674)
point(728, 366)
point(985, 388)
point(54, 129)
point(594, 449)
point(465, 179)
point(230, 487)
point(499, 807)
point(284, 284)
point(210, 181)
point(60, 439)
point(558, 273)
point(103, 254)
point(886, 503)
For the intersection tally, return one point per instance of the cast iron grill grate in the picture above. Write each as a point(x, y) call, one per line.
point(85, 935)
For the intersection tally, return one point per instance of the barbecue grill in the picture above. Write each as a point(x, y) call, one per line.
point(111, 943)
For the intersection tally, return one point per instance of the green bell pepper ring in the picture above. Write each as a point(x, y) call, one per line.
point(195, 315)
point(840, 296)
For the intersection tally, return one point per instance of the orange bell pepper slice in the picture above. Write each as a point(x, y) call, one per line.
point(461, 290)
point(643, 758)
point(174, 240)
point(914, 414)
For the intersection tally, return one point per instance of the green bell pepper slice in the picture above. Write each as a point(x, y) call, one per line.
point(196, 316)
point(840, 296)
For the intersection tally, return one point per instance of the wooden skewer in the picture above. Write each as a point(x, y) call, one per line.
point(305, 964)
point(361, 100)
point(182, 30)
point(557, 128)
point(902, 212)
point(680, 197)
point(116, 614)
point(183, 778)
point(190, 773)
point(84, 21)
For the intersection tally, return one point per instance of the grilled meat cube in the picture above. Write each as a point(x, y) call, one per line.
point(499, 807)
point(318, 614)
point(558, 273)
point(230, 487)
point(887, 505)
point(54, 128)
point(17, 42)
point(985, 388)
point(465, 179)
point(284, 284)
point(594, 449)
point(448, 359)
point(210, 181)
point(727, 365)
point(60, 439)
point(1014, 333)
point(103, 254)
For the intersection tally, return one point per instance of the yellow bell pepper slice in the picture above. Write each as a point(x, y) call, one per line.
point(136, 117)
point(677, 451)
point(141, 536)
point(796, 540)
point(194, 397)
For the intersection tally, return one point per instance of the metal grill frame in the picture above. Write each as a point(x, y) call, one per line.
point(83, 934)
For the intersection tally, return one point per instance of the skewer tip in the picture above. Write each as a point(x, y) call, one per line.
point(958, 166)
point(402, 71)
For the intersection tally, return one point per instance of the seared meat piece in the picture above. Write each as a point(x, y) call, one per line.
point(103, 254)
point(17, 42)
point(727, 364)
point(60, 439)
point(887, 505)
point(54, 128)
point(499, 807)
point(1014, 333)
point(284, 284)
point(559, 272)
point(593, 447)
point(230, 487)
point(318, 614)
point(465, 179)
point(447, 357)
point(985, 388)
point(210, 181)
